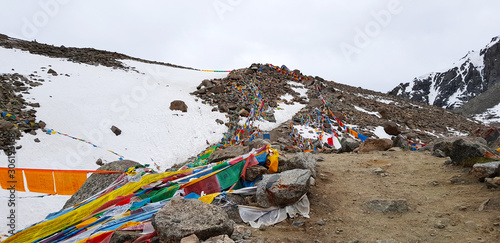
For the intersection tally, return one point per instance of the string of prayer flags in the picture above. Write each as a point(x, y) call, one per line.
point(52, 131)
point(61, 182)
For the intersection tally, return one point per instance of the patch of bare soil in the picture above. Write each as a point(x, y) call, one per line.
point(445, 203)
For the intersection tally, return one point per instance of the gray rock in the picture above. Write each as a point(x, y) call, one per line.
point(283, 188)
point(301, 160)
point(193, 217)
point(401, 142)
point(241, 232)
point(446, 144)
point(257, 143)
point(388, 206)
point(468, 152)
point(229, 204)
point(438, 153)
point(98, 182)
point(485, 170)
point(227, 153)
point(254, 172)
point(349, 145)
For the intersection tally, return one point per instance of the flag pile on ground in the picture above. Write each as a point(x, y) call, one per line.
point(130, 202)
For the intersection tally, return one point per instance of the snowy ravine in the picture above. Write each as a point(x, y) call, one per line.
point(84, 101)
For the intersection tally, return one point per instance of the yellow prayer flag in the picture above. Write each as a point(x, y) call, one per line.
point(209, 198)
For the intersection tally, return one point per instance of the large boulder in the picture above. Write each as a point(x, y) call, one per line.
point(392, 128)
point(283, 188)
point(184, 217)
point(178, 105)
point(484, 170)
point(300, 161)
point(98, 182)
point(467, 152)
point(349, 144)
point(446, 144)
point(227, 153)
point(375, 144)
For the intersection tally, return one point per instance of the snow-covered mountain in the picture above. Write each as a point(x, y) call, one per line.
point(472, 75)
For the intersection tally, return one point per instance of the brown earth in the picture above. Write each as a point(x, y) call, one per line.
point(446, 203)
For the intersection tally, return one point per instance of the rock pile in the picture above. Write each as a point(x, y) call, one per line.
point(12, 102)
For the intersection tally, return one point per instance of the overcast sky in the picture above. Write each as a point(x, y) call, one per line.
point(375, 44)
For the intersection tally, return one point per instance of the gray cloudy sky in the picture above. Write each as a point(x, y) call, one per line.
point(375, 44)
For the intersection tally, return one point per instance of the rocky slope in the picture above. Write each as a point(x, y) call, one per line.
point(470, 77)
point(352, 105)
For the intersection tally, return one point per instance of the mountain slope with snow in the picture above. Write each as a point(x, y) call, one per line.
point(472, 75)
point(84, 101)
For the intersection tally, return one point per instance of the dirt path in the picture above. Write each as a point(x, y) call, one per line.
point(444, 202)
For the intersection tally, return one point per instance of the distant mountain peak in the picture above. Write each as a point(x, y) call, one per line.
point(469, 77)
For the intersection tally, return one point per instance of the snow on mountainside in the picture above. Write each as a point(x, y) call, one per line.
point(472, 75)
point(84, 101)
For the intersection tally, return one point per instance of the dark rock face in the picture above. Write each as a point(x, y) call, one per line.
point(467, 153)
point(467, 80)
point(98, 182)
point(183, 217)
point(349, 145)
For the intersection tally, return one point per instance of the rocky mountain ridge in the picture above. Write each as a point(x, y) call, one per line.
point(365, 109)
point(470, 77)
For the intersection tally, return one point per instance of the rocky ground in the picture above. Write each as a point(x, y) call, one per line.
point(442, 202)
